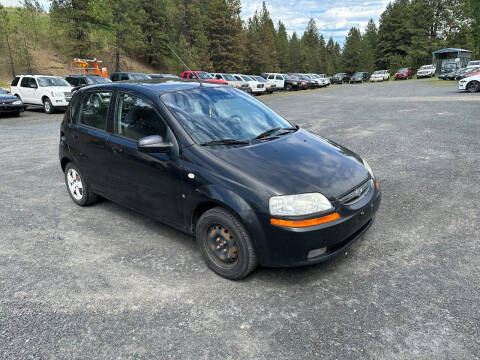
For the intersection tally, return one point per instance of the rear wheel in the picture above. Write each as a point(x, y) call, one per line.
point(77, 186)
point(288, 87)
point(225, 244)
point(47, 106)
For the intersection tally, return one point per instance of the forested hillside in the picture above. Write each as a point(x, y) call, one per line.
point(210, 35)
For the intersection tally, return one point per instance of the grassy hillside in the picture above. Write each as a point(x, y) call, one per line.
point(47, 56)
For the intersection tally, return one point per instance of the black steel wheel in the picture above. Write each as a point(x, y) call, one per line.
point(225, 244)
point(473, 86)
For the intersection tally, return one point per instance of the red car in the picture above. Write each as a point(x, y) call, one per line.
point(204, 76)
point(468, 74)
point(404, 73)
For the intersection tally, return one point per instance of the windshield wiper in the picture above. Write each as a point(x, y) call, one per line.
point(267, 133)
point(225, 142)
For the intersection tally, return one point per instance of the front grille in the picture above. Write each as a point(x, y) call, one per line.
point(5, 102)
point(259, 86)
point(357, 194)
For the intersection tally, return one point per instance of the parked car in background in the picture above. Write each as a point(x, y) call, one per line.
point(340, 78)
point(473, 71)
point(275, 79)
point(426, 71)
point(321, 82)
point(310, 82)
point(359, 77)
point(256, 87)
point(301, 84)
point(269, 88)
point(462, 73)
point(444, 76)
point(9, 104)
point(380, 75)
point(325, 77)
point(83, 80)
point(50, 92)
point(404, 73)
point(202, 75)
point(125, 76)
point(470, 84)
point(164, 76)
point(255, 189)
point(233, 81)
point(473, 63)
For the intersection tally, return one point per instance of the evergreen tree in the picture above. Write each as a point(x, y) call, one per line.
point(371, 35)
point(297, 57)
point(352, 51)
point(283, 47)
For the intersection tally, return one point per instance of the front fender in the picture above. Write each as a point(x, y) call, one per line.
point(235, 203)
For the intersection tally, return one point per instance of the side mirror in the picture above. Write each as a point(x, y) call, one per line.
point(154, 144)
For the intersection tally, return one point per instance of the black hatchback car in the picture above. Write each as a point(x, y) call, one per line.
point(216, 163)
point(340, 78)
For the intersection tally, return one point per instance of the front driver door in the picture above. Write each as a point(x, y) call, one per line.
point(149, 183)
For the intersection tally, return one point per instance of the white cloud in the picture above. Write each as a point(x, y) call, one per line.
point(333, 17)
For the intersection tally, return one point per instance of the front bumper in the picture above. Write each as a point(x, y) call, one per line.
point(288, 247)
point(462, 85)
point(11, 109)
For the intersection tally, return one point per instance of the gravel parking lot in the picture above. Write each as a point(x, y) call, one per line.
point(106, 283)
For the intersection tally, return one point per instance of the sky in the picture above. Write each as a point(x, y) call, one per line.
point(333, 17)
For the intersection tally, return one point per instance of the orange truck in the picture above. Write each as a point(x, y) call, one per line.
point(88, 67)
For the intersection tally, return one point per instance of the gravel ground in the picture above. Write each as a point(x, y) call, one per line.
point(106, 283)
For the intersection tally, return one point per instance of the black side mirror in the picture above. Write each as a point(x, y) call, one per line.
point(154, 144)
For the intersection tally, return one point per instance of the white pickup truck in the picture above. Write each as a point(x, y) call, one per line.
point(50, 92)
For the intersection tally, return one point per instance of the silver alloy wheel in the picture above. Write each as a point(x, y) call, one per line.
point(75, 185)
point(47, 105)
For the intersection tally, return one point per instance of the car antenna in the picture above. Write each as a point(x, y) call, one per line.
point(178, 57)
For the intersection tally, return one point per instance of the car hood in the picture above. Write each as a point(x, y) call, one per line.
point(8, 97)
point(300, 162)
point(57, 88)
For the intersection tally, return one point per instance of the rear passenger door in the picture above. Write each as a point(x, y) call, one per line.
point(279, 81)
point(26, 92)
point(90, 139)
point(149, 183)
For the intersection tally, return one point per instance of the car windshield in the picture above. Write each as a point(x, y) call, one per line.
point(403, 70)
point(338, 75)
point(247, 78)
point(3, 92)
point(321, 76)
point(228, 77)
point(218, 113)
point(424, 67)
point(139, 76)
point(286, 76)
point(98, 80)
point(358, 74)
point(378, 72)
point(204, 75)
point(52, 81)
point(260, 79)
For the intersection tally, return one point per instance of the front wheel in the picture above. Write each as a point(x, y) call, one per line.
point(288, 87)
point(473, 86)
point(225, 244)
point(47, 106)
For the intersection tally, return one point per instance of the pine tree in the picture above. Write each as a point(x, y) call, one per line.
point(352, 51)
point(283, 47)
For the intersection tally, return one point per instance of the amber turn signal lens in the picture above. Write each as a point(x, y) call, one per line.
point(377, 185)
point(305, 223)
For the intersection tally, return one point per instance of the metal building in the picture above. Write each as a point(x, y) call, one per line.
point(449, 59)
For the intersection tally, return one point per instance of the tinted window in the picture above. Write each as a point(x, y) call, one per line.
point(15, 81)
point(135, 118)
point(270, 77)
point(123, 77)
point(95, 109)
point(75, 106)
point(52, 81)
point(278, 77)
point(25, 82)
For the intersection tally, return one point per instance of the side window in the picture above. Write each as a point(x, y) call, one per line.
point(218, 76)
point(94, 109)
point(123, 76)
point(192, 76)
point(75, 105)
point(278, 77)
point(15, 81)
point(135, 118)
point(270, 77)
point(114, 77)
point(25, 82)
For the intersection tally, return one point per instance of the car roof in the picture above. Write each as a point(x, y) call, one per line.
point(82, 76)
point(158, 86)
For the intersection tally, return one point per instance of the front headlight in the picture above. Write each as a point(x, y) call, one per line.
point(17, 102)
point(365, 163)
point(57, 94)
point(297, 205)
point(294, 83)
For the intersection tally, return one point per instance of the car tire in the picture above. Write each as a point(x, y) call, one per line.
point(77, 187)
point(225, 244)
point(47, 106)
point(473, 86)
point(288, 87)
